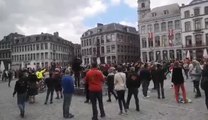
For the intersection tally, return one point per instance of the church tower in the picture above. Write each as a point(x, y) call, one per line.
point(143, 8)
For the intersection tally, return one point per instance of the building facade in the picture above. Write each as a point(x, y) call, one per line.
point(41, 51)
point(5, 49)
point(160, 32)
point(112, 43)
point(194, 19)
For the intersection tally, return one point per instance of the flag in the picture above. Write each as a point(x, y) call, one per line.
point(170, 36)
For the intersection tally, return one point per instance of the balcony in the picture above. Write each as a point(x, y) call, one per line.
point(194, 46)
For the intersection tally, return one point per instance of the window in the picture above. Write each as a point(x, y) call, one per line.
point(170, 25)
point(46, 46)
point(171, 52)
point(41, 46)
point(164, 40)
point(206, 22)
point(37, 46)
point(163, 26)
point(118, 48)
point(188, 41)
point(187, 14)
point(156, 27)
point(144, 54)
point(113, 48)
point(46, 55)
point(143, 29)
point(187, 26)
point(206, 10)
point(196, 11)
point(198, 39)
point(150, 43)
point(207, 39)
point(157, 41)
point(177, 24)
point(166, 12)
point(143, 5)
point(154, 14)
point(197, 24)
point(177, 38)
point(108, 49)
point(108, 38)
point(144, 43)
point(102, 50)
point(149, 28)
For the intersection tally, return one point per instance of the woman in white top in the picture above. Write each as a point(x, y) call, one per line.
point(120, 87)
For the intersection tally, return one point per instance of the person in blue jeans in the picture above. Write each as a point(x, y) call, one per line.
point(68, 90)
point(21, 90)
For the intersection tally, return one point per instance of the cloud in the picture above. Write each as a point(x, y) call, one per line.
point(115, 2)
point(131, 3)
point(48, 16)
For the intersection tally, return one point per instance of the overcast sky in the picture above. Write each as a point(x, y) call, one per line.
point(69, 17)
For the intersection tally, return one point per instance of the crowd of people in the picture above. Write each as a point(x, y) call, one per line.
point(119, 78)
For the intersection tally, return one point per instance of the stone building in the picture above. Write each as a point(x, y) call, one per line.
point(112, 43)
point(194, 19)
point(5, 49)
point(41, 50)
point(160, 32)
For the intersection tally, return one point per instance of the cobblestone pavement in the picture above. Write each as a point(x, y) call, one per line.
point(151, 108)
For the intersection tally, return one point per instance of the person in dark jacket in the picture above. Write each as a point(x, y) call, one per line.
point(204, 82)
point(21, 90)
point(110, 83)
point(50, 83)
point(133, 84)
point(32, 86)
point(160, 81)
point(154, 76)
point(145, 77)
point(178, 81)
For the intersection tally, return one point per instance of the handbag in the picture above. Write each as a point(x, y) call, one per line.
point(204, 82)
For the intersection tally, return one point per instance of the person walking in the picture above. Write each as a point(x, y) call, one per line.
point(145, 77)
point(204, 83)
point(110, 83)
point(160, 77)
point(50, 83)
point(9, 77)
point(95, 80)
point(67, 84)
point(21, 90)
point(120, 87)
point(178, 81)
point(195, 74)
point(133, 84)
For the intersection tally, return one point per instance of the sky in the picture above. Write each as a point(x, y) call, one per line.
point(71, 18)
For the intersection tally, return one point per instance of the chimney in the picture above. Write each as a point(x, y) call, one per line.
point(56, 34)
point(99, 24)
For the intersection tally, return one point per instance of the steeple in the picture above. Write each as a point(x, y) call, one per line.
point(143, 8)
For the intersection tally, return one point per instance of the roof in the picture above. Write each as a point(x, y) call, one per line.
point(196, 1)
point(173, 10)
point(109, 28)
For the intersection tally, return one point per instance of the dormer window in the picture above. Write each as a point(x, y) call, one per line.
point(154, 14)
point(196, 11)
point(166, 12)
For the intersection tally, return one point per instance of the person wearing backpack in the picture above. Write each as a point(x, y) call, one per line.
point(21, 90)
point(196, 76)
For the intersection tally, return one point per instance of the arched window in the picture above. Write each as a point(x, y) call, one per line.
point(143, 5)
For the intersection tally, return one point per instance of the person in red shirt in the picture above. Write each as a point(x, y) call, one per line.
point(95, 80)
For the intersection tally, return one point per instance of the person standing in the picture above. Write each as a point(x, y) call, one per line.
point(95, 80)
point(204, 83)
point(178, 81)
point(10, 77)
point(110, 83)
point(120, 87)
point(21, 90)
point(50, 83)
point(196, 76)
point(133, 84)
point(57, 77)
point(67, 84)
point(32, 86)
point(160, 77)
point(145, 77)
